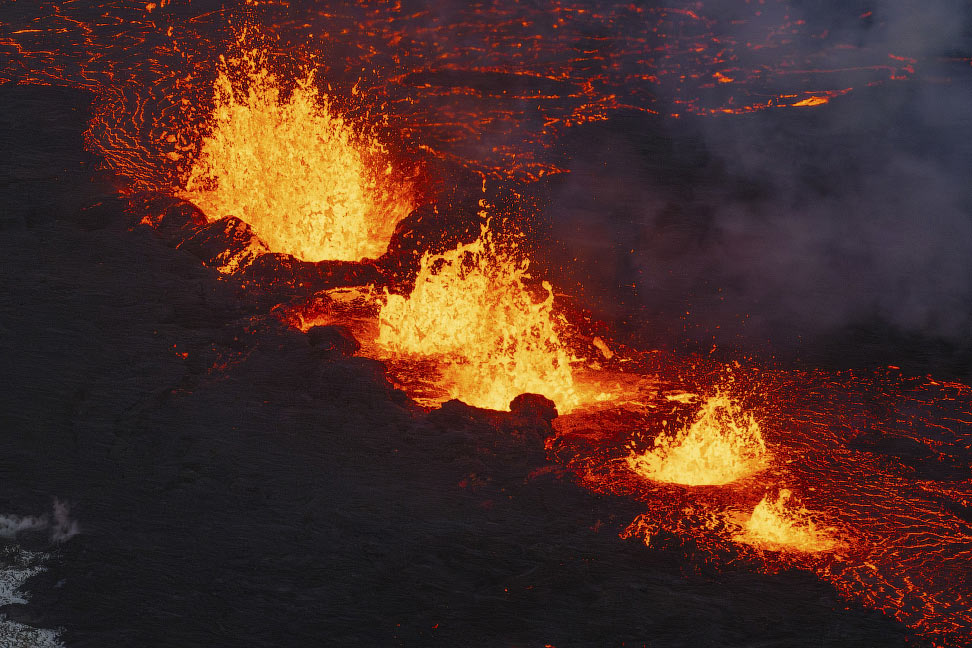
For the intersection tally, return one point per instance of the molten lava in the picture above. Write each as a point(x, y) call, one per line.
point(885, 457)
point(780, 523)
point(722, 445)
point(306, 181)
point(473, 310)
point(881, 466)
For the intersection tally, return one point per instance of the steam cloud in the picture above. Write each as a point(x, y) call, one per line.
point(59, 523)
point(799, 223)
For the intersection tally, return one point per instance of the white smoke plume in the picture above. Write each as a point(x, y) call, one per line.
point(60, 524)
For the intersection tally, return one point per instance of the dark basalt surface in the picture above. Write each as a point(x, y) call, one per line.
point(235, 486)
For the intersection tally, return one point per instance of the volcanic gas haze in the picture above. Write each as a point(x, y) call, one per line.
point(303, 177)
point(472, 308)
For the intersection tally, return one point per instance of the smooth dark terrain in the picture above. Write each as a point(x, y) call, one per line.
point(287, 497)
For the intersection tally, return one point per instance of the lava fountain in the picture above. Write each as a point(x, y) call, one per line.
point(303, 177)
point(723, 444)
point(781, 523)
point(473, 309)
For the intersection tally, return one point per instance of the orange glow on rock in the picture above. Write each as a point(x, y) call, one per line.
point(472, 310)
point(305, 179)
point(780, 523)
point(723, 444)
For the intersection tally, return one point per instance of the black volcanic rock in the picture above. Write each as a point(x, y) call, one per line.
point(288, 276)
point(429, 229)
point(173, 219)
point(224, 239)
point(334, 339)
point(529, 422)
point(455, 413)
point(106, 211)
point(232, 242)
point(533, 406)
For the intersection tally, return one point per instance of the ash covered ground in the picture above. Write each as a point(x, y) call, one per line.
point(291, 496)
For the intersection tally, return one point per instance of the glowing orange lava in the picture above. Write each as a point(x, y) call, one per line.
point(472, 309)
point(780, 523)
point(306, 181)
point(884, 457)
point(723, 444)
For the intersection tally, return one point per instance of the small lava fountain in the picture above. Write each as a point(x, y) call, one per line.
point(305, 179)
point(472, 308)
point(723, 444)
point(781, 523)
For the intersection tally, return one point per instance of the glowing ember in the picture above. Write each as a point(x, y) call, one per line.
point(781, 523)
point(471, 307)
point(722, 445)
point(308, 183)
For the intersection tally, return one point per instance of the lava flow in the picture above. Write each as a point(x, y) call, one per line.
point(306, 181)
point(446, 87)
point(867, 487)
point(878, 464)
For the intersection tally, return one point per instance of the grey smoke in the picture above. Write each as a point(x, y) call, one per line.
point(59, 523)
point(63, 528)
point(11, 525)
point(794, 224)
